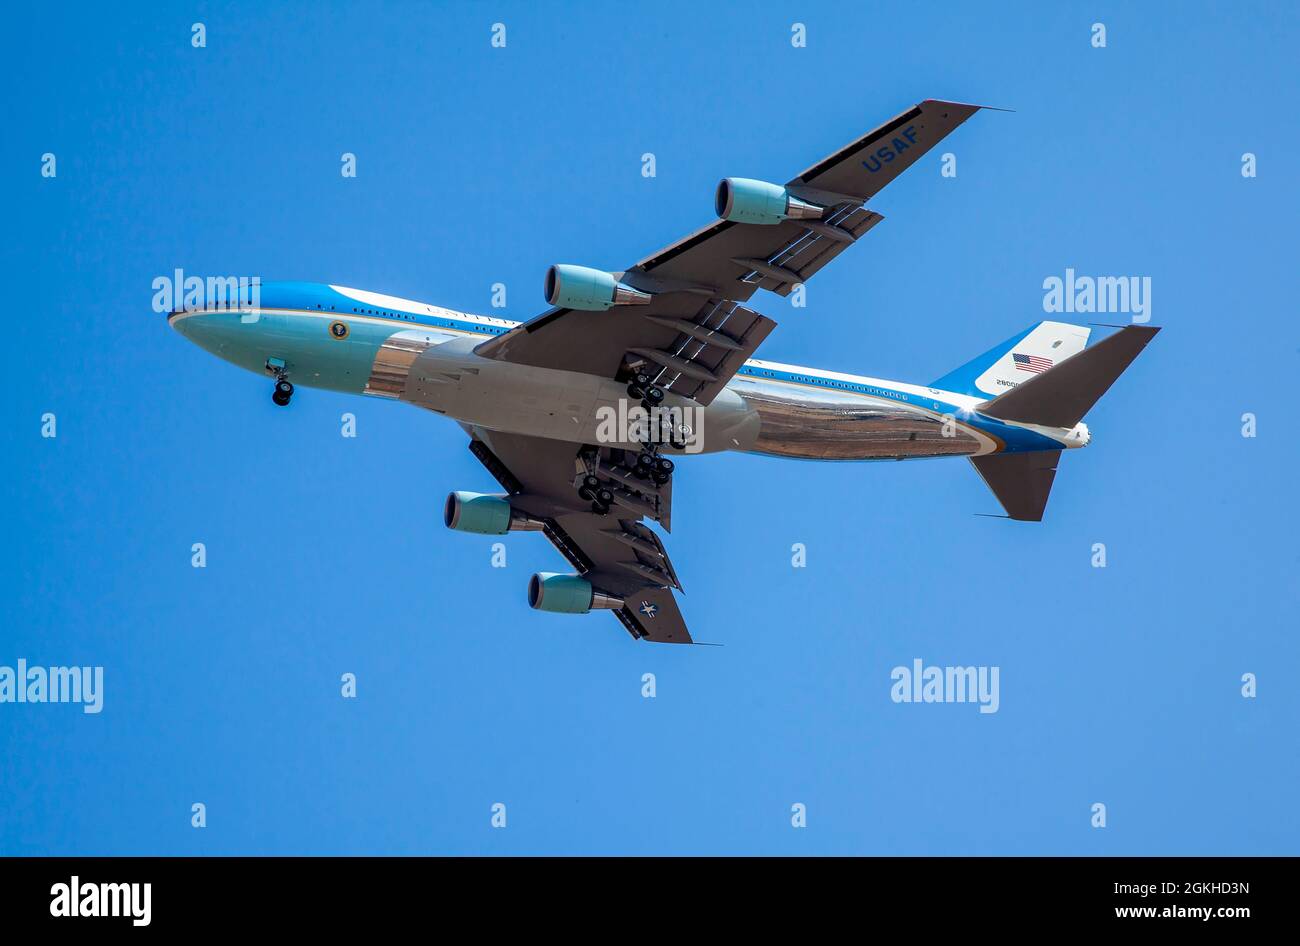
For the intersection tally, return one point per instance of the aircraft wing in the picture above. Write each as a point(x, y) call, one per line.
point(695, 333)
point(617, 553)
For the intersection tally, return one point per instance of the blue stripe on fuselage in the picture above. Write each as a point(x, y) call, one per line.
point(318, 297)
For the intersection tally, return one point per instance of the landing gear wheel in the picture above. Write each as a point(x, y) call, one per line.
point(604, 497)
point(659, 479)
point(600, 509)
point(636, 388)
point(589, 488)
point(283, 387)
point(280, 399)
point(654, 394)
point(665, 466)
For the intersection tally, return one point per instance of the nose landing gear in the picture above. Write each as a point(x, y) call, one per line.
point(283, 391)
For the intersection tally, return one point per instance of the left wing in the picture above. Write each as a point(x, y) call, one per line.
point(617, 553)
point(694, 333)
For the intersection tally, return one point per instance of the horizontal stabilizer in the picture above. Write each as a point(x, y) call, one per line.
point(1061, 395)
point(1020, 481)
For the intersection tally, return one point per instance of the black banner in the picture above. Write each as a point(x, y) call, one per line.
point(206, 895)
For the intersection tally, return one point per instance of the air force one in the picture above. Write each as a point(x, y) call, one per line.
point(579, 413)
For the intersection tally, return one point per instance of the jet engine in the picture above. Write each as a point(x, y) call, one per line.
point(484, 514)
point(742, 200)
point(567, 594)
point(590, 290)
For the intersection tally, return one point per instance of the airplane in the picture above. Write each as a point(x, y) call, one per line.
point(581, 413)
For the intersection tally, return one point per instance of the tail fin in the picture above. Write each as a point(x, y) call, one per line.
point(1058, 397)
point(1000, 369)
point(1061, 396)
point(1020, 481)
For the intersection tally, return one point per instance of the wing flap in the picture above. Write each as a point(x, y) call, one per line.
point(813, 248)
point(709, 349)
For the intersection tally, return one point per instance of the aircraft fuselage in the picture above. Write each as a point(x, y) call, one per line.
point(365, 343)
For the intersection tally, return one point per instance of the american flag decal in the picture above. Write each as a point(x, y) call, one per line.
point(1031, 363)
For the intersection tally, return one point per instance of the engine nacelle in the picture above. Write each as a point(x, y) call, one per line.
point(477, 512)
point(567, 594)
point(742, 200)
point(590, 290)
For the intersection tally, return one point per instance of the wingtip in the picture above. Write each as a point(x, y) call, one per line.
point(973, 105)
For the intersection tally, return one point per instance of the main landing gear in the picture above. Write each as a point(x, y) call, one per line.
point(624, 466)
point(651, 466)
point(651, 396)
point(645, 390)
point(599, 496)
point(283, 391)
point(597, 485)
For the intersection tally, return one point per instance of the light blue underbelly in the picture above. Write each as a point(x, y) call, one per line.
point(312, 355)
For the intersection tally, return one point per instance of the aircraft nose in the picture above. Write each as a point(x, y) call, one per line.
point(211, 331)
point(194, 327)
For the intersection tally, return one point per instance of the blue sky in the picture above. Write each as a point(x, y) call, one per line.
point(478, 165)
